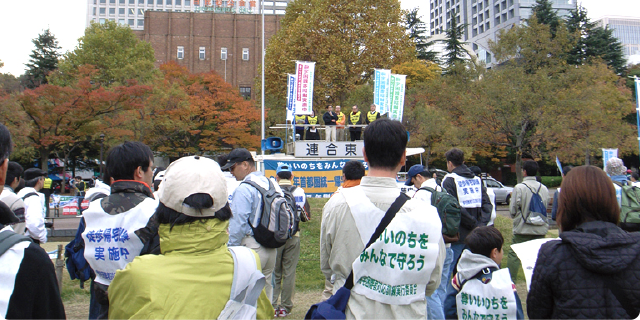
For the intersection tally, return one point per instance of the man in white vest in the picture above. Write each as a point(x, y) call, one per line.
point(122, 225)
point(34, 204)
point(393, 275)
point(474, 200)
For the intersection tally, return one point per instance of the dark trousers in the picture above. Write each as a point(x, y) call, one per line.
point(355, 135)
point(300, 132)
point(47, 195)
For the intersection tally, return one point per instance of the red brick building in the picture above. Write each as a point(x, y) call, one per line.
point(226, 43)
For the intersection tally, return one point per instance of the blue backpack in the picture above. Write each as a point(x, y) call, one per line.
point(537, 210)
point(77, 265)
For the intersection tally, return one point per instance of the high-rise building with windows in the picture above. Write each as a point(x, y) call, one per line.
point(131, 12)
point(484, 18)
point(627, 31)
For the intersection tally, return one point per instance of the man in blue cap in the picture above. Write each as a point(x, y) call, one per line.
point(287, 256)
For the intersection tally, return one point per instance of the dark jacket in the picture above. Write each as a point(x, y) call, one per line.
point(470, 218)
point(573, 278)
point(330, 118)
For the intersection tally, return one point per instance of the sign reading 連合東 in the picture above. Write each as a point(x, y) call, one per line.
point(328, 149)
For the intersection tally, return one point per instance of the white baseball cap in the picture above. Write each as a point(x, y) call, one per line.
point(191, 175)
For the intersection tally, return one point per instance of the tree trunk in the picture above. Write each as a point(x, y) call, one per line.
point(587, 157)
point(44, 159)
point(519, 165)
point(428, 155)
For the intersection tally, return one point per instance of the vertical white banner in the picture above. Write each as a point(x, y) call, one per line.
point(291, 94)
point(304, 87)
point(381, 90)
point(396, 96)
point(606, 155)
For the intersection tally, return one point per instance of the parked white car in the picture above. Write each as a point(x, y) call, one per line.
point(503, 193)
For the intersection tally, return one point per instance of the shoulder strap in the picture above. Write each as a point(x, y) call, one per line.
point(257, 186)
point(248, 281)
point(388, 216)
point(486, 272)
point(8, 239)
point(28, 195)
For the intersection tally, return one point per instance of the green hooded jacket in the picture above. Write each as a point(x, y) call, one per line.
point(191, 279)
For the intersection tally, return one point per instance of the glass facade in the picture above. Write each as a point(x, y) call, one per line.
point(627, 31)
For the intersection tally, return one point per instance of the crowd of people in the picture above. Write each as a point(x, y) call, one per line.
point(173, 243)
point(336, 123)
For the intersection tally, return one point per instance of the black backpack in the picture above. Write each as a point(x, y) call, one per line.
point(288, 194)
point(277, 220)
point(449, 211)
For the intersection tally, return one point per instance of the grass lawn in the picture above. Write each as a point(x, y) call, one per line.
point(309, 278)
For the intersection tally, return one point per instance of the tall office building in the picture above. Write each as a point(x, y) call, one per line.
point(484, 18)
point(131, 12)
point(627, 31)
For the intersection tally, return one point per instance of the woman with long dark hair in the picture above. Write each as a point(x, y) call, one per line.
point(593, 272)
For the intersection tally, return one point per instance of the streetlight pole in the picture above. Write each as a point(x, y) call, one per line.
point(262, 82)
point(101, 151)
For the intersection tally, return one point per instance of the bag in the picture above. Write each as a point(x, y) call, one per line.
point(276, 220)
point(449, 211)
point(77, 265)
point(288, 195)
point(630, 208)
point(537, 210)
point(336, 305)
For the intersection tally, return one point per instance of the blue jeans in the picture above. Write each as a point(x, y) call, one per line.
point(435, 302)
point(450, 299)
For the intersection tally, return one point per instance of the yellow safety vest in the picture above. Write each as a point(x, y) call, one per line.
point(340, 118)
point(47, 183)
point(355, 118)
point(300, 119)
point(312, 120)
point(372, 116)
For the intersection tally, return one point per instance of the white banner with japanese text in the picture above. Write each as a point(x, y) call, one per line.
point(381, 90)
point(396, 96)
point(304, 87)
point(494, 300)
point(291, 94)
point(606, 155)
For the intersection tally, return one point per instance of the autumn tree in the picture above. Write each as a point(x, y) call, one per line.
point(346, 39)
point(417, 71)
point(63, 116)
point(43, 59)
point(195, 114)
point(114, 50)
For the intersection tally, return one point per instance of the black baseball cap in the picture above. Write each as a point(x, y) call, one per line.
point(236, 156)
point(33, 173)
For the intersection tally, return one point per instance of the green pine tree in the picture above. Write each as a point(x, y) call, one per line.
point(545, 14)
point(456, 53)
point(44, 59)
point(416, 29)
point(592, 41)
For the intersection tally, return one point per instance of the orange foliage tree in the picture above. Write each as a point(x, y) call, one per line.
point(195, 114)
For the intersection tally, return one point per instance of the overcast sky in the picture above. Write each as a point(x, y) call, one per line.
point(22, 21)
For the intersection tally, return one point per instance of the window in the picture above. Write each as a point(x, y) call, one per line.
point(178, 2)
point(187, 3)
point(132, 1)
point(131, 22)
point(140, 1)
point(168, 2)
point(121, 21)
point(180, 55)
point(112, 1)
point(103, 11)
point(112, 11)
point(94, 11)
point(159, 2)
point(103, 20)
point(150, 2)
point(141, 11)
point(121, 1)
point(112, 19)
point(245, 54)
point(245, 92)
point(201, 53)
point(103, 1)
point(120, 10)
point(140, 22)
point(132, 11)
point(223, 54)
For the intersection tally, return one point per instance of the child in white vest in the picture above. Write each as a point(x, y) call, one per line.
point(482, 289)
